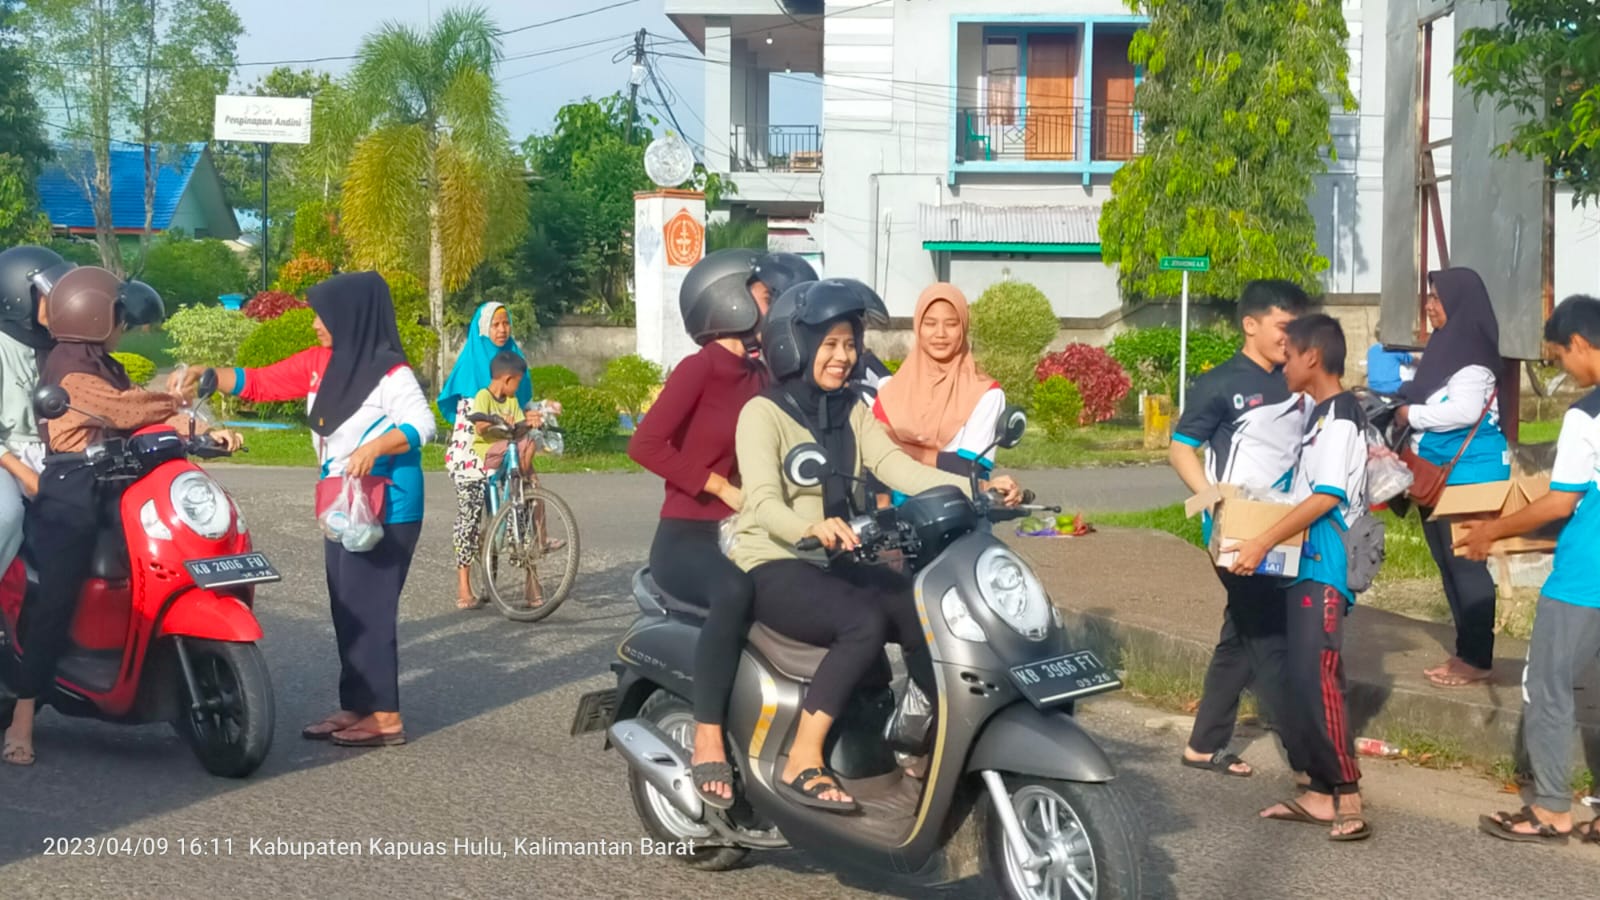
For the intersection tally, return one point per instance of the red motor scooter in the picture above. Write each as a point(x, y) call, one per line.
point(165, 630)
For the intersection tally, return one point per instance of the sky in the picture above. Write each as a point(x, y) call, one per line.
point(534, 87)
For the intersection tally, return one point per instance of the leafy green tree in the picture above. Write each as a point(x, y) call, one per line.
point(433, 185)
point(188, 51)
point(1235, 108)
point(23, 148)
point(1543, 62)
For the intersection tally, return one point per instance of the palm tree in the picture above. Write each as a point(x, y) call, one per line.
point(434, 183)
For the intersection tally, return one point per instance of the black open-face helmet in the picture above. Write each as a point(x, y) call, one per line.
point(801, 310)
point(781, 271)
point(715, 299)
point(25, 273)
point(140, 304)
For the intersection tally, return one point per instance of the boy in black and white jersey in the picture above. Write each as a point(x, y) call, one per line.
point(1250, 424)
point(1330, 489)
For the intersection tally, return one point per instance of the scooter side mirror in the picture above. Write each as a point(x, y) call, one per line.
point(50, 401)
point(1012, 426)
point(806, 465)
point(207, 386)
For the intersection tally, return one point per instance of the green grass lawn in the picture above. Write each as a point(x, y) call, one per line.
point(292, 447)
point(1099, 445)
point(1406, 553)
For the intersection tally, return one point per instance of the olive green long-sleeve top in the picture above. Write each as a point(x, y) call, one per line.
point(776, 513)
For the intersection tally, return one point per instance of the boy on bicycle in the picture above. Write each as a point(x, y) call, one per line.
point(499, 400)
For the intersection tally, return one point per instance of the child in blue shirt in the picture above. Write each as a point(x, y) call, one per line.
point(1566, 626)
point(1330, 485)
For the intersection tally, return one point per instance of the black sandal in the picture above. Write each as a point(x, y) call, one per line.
point(1503, 826)
point(808, 787)
point(1587, 832)
point(1220, 761)
point(708, 773)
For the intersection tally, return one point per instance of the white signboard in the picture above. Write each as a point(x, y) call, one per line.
point(258, 120)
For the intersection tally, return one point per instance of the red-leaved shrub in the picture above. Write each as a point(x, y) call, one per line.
point(271, 304)
point(1100, 379)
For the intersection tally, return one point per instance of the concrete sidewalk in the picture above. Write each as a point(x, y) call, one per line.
point(1153, 599)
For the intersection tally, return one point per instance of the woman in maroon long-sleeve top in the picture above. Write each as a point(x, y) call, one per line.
point(688, 439)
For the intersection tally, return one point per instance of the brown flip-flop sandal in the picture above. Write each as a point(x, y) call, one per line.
point(1453, 679)
point(1296, 813)
point(369, 739)
point(317, 732)
point(17, 755)
point(1587, 832)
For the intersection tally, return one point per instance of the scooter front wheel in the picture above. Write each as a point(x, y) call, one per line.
point(1087, 832)
point(232, 731)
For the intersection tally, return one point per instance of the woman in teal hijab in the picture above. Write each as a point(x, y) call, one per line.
point(488, 335)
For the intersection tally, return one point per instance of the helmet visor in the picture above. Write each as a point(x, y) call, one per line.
point(44, 280)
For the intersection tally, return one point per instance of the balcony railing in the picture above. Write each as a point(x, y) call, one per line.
point(776, 148)
point(1046, 134)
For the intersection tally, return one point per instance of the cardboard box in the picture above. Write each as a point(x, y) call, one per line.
point(1236, 519)
point(1476, 502)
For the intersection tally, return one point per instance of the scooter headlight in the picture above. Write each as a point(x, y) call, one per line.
point(202, 505)
point(1012, 591)
point(959, 618)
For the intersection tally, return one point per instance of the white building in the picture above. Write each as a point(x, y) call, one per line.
point(975, 140)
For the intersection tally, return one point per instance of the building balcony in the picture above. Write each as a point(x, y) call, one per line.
point(776, 148)
point(1047, 134)
point(1044, 96)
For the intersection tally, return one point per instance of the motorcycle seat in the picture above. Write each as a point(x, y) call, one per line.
point(792, 658)
point(669, 602)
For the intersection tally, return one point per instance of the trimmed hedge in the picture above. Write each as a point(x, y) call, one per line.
point(140, 369)
point(588, 419)
point(275, 340)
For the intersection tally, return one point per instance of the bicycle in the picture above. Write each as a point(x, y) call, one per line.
point(531, 534)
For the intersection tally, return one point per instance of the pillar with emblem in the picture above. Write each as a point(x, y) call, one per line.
point(669, 238)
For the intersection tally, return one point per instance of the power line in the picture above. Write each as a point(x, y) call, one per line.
point(66, 63)
point(567, 18)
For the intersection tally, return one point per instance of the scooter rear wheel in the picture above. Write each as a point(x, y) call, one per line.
point(232, 734)
point(661, 821)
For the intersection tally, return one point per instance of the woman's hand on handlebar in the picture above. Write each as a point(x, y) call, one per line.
point(225, 439)
point(1010, 492)
point(834, 534)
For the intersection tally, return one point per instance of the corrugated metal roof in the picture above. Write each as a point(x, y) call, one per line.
point(973, 223)
point(65, 202)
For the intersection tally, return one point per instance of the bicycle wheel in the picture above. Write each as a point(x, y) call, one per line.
point(520, 565)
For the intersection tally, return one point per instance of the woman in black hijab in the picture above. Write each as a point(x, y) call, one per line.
point(811, 342)
point(1456, 390)
point(369, 417)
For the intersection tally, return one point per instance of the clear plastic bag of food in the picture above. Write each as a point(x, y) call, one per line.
point(350, 518)
point(200, 410)
point(725, 534)
point(1387, 475)
point(548, 437)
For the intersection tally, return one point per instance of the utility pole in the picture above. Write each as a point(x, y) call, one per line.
point(635, 79)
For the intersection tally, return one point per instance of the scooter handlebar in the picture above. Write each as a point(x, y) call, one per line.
point(808, 545)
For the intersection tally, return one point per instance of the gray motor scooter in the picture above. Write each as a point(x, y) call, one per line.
point(1014, 787)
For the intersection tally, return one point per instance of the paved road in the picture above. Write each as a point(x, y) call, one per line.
point(488, 704)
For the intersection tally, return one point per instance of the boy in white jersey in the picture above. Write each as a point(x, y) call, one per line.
point(1566, 625)
point(1330, 486)
point(1249, 423)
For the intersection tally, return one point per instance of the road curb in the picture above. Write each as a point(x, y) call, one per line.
point(1482, 733)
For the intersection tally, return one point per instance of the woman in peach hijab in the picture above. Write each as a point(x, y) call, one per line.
point(939, 408)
